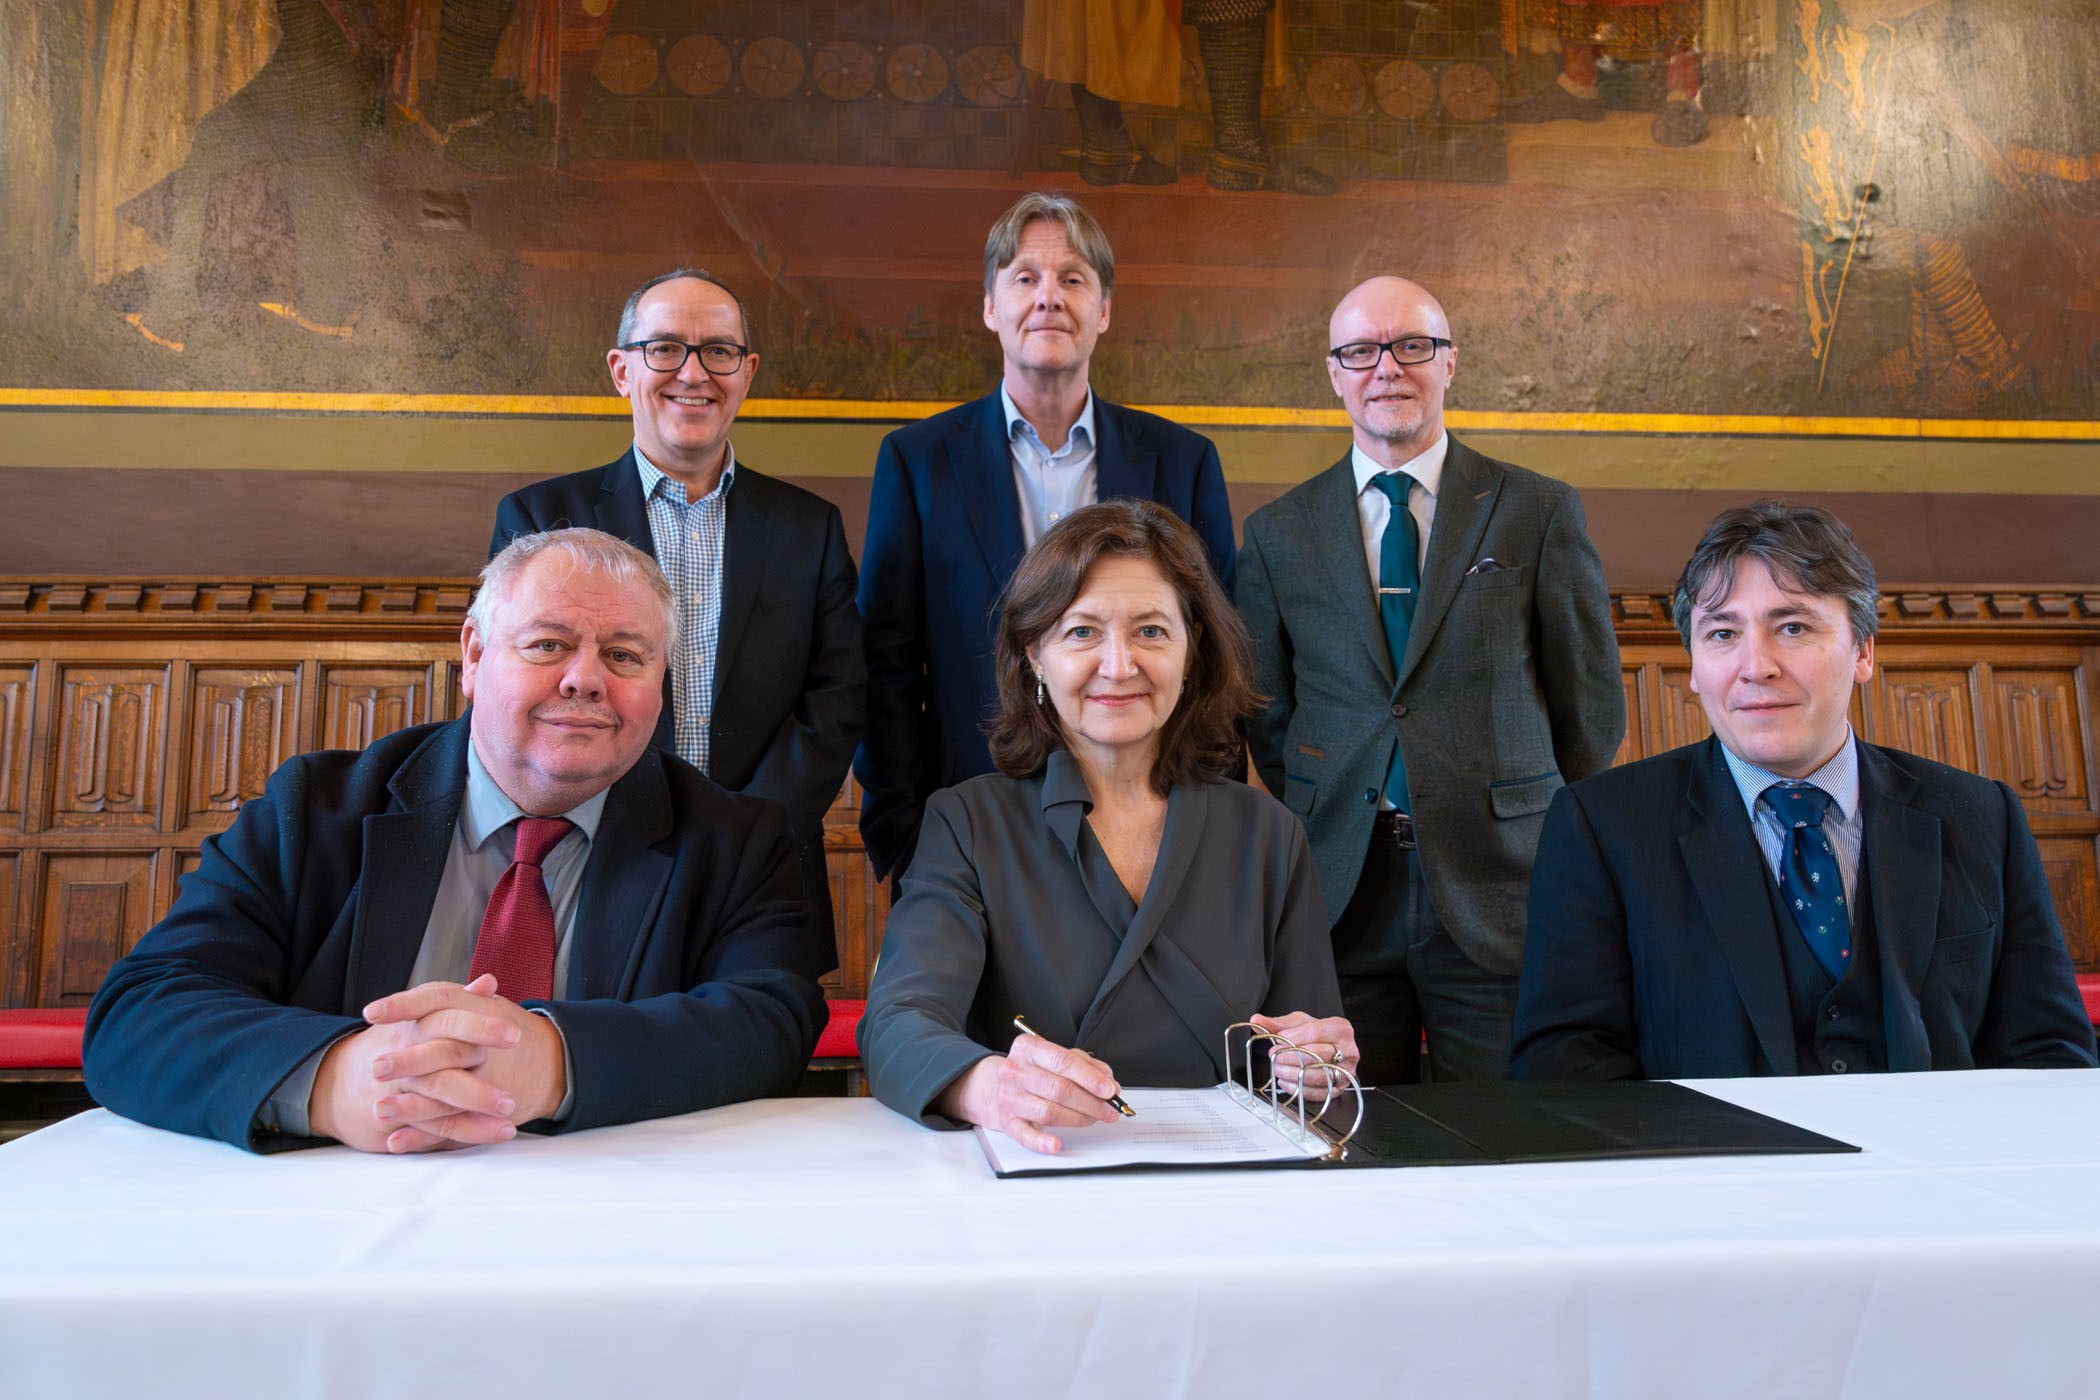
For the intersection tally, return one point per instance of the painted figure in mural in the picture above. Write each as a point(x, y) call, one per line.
point(496, 84)
point(1129, 51)
point(957, 498)
point(526, 917)
point(765, 688)
point(177, 88)
point(1665, 31)
point(1433, 630)
point(1932, 135)
point(1781, 897)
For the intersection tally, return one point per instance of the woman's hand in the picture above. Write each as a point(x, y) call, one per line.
point(1035, 1086)
point(1326, 1041)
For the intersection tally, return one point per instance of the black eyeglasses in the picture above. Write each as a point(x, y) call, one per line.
point(669, 356)
point(1412, 350)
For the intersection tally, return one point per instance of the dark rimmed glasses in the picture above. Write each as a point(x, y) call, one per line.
point(1410, 350)
point(669, 356)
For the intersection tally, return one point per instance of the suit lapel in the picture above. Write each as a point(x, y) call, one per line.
point(1727, 871)
point(1900, 852)
point(621, 509)
point(746, 537)
point(623, 884)
point(1121, 466)
point(404, 861)
point(1178, 841)
point(980, 463)
point(1331, 531)
point(1465, 499)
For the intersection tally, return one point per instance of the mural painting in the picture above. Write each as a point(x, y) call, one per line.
point(1804, 207)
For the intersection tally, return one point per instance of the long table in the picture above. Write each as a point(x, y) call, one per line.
point(828, 1247)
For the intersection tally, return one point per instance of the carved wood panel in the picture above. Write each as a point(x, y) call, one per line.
point(94, 907)
point(1636, 717)
point(2039, 737)
point(13, 932)
point(243, 722)
point(112, 728)
point(1680, 718)
point(2074, 882)
point(1926, 710)
point(363, 703)
point(17, 710)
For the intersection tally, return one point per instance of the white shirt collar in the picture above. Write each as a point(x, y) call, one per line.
point(1426, 467)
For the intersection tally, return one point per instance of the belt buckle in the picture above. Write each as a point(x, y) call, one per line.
point(1404, 831)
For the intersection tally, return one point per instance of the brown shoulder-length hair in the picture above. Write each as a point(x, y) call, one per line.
point(1202, 737)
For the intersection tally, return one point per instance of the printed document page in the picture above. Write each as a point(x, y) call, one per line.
point(1173, 1128)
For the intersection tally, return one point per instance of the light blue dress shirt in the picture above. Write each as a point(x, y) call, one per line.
point(691, 538)
point(1051, 484)
point(1844, 824)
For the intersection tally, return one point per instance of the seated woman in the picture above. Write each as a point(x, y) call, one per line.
point(1107, 884)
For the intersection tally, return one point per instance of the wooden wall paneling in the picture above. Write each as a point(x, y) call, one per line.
point(242, 722)
point(367, 701)
point(1681, 718)
point(1630, 678)
point(14, 926)
point(17, 710)
point(112, 730)
point(2072, 864)
point(1925, 708)
point(93, 908)
point(2038, 742)
point(860, 903)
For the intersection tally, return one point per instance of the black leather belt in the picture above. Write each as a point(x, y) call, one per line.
point(1396, 827)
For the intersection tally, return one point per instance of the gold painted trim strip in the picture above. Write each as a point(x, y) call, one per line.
point(908, 410)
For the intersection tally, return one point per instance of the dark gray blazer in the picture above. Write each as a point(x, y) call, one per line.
point(996, 920)
point(1510, 686)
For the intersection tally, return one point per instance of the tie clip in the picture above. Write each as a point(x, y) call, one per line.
point(1383, 590)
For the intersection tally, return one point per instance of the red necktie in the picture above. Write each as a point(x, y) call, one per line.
point(517, 933)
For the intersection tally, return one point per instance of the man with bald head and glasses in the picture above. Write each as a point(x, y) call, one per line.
point(766, 685)
point(1434, 633)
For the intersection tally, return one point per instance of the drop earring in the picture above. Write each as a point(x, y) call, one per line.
point(1040, 693)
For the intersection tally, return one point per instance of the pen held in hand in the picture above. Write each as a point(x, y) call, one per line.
point(1114, 1101)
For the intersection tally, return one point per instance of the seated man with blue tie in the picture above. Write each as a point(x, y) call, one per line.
point(524, 917)
point(1784, 898)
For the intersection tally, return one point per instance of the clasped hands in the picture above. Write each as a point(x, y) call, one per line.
point(439, 1066)
point(1039, 1085)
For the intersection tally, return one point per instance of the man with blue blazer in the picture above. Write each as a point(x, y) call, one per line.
point(525, 916)
point(1783, 897)
point(765, 686)
point(1433, 631)
point(959, 497)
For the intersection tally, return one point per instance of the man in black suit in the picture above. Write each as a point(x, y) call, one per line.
point(1784, 898)
point(526, 916)
point(766, 683)
point(958, 498)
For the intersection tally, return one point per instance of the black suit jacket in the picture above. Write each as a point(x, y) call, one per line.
point(944, 536)
point(692, 962)
point(1654, 947)
point(790, 681)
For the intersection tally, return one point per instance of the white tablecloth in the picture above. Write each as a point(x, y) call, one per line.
point(828, 1247)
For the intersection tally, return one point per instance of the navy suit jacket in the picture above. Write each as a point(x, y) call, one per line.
point(692, 961)
point(790, 682)
point(944, 536)
point(1654, 945)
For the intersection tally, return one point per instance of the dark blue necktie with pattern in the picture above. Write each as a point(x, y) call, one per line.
point(1809, 879)
point(1399, 580)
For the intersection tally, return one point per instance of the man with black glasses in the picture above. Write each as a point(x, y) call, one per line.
point(1433, 629)
point(766, 687)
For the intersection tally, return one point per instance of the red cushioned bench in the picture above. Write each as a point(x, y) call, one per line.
point(36, 1038)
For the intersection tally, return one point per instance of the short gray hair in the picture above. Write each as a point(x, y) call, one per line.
point(586, 551)
point(625, 333)
point(1806, 549)
point(1003, 244)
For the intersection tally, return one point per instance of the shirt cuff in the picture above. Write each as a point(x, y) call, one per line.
point(568, 1068)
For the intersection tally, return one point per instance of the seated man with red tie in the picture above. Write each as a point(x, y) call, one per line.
point(523, 917)
point(1784, 897)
